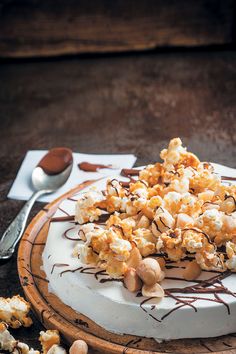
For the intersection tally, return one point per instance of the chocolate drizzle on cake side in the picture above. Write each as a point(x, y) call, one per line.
point(187, 296)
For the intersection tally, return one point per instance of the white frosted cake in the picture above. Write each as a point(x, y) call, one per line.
point(181, 215)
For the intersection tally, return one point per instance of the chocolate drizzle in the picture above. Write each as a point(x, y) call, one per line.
point(63, 211)
point(128, 172)
point(225, 178)
point(124, 184)
point(188, 295)
point(204, 286)
point(92, 167)
point(63, 218)
point(65, 234)
point(164, 224)
point(143, 308)
point(155, 223)
point(36, 275)
point(105, 280)
point(93, 271)
point(59, 265)
point(131, 342)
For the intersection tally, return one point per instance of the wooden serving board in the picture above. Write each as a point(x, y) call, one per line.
point(72, 325)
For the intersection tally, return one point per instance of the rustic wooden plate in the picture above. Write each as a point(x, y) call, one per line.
point(72, 325)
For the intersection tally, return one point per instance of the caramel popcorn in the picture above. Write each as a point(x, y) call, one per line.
point(86, 207)
point(15, 311)
point(177, 207)
point(10, 344)
point(48, 339)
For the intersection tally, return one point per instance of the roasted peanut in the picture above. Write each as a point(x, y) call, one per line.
point(149, 271)
point(192, 271)
point(161, 277)
point(162, 262)
point(56, 349)
point(132, 280)
point(79, 347)
point(153, 290)
point(134, 259)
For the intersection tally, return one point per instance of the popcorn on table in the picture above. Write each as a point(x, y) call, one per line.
point(15, 311)
point(175, 207)
point(50, 342)
point(9, 343)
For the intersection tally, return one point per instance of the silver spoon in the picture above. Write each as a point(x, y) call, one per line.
point(43, 184)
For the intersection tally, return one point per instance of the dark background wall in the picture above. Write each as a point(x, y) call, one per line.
point(48, 27)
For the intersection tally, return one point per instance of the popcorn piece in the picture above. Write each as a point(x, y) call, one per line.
point(206, 196)
point(210, 260)
point(122, 249)
point(14, 311)
point(114, 188)
point(24, 349)
point(172, 155)
point(229, 204)
point(163, 221)
point(48, 339)
point(145, 241)
point(151, 174)
point(193, 240)
point(8, 342)
point(86, 209)
point(143, 222)
point(116, 269)
point(229, 223)
point(231, 253)
point(86, 254)
point(184, 220)
point(180, 185)
point(210, 222)
point(175, 254)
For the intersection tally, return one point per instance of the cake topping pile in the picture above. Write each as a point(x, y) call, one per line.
point(176, 208)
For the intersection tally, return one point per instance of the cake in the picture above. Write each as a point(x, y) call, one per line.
point(151, 255)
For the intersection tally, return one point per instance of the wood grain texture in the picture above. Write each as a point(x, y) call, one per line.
point(72, 325)
point(129, 104)
point(43, 28)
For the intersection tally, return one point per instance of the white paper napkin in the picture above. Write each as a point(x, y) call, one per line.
point(22, 188)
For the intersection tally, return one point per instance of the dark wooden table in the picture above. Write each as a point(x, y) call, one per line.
point(124, 104)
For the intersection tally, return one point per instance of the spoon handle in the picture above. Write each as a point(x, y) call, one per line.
point(15, 230)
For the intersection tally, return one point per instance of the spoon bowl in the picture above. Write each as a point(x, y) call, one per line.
point(42, 183)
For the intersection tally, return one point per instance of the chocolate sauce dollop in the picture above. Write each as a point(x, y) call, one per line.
point(56, 160)
point(91, 167)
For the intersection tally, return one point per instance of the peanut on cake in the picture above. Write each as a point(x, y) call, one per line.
point(153, 254)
